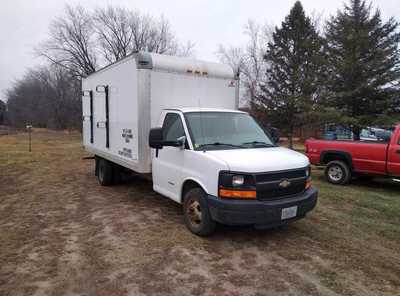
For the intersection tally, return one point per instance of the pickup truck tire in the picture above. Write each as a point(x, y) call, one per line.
point(196, 214)
point(338, 172)
point(105, 172)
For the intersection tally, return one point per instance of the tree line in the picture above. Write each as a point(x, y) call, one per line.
point(79, 43)
point(301, 74)
point(298, 75)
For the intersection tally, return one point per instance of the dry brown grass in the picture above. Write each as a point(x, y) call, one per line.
point(63, 234)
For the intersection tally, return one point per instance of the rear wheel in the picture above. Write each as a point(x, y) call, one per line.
point(196, 214)
point(116, 174)
point(338, 172)
point(105, 172)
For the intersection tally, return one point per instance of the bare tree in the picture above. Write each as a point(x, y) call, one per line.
point(3, 108)
point(158, 36)
point(49, 96)
point(114, 33)
point(121, 31)
point(249, 60)
point(60, 91)
point(71, 42)
point(81, 40)
point(45, 97)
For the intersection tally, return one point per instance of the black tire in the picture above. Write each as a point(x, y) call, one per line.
point(117, 174)
point(338, 172)
point(196, 214)
point(105, 172)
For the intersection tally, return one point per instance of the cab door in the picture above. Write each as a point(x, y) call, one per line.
point(393, 161)
point(168, 165)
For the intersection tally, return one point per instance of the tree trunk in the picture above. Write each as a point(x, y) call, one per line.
point(290, 138)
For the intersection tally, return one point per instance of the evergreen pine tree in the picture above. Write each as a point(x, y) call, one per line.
point(296, 68)
point(363, 60)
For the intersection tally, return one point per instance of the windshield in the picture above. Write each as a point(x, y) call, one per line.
point(225, 130)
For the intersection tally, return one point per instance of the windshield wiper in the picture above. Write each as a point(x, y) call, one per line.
point(258, 143)
point(220, 144)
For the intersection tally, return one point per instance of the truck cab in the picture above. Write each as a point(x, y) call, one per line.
point(224, 168)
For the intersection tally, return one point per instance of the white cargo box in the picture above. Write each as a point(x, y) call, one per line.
point(122, 101)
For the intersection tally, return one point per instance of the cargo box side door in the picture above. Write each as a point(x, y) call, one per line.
point(99, 116)
point(87, 113)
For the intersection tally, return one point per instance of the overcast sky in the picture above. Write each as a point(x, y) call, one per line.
point(207, 23)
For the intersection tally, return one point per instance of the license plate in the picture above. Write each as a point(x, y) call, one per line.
point(288, 213)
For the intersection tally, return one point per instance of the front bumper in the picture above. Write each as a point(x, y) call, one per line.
point(262, 214)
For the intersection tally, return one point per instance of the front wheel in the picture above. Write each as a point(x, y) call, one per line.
point(196, 214)
point(338, 172)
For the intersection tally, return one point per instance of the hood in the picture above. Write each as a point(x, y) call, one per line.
point(259, 160)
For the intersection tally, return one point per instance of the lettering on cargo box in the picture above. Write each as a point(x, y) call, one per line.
point(127, 134)
point(126, 152)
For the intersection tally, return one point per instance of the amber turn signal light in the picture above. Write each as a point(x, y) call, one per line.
point(239, 194)
point(308, 183)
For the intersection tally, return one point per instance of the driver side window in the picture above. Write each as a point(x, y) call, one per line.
point(172, 127)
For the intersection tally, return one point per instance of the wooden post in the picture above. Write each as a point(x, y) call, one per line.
point(29, 128)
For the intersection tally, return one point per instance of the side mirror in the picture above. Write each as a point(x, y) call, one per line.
point(156, 138)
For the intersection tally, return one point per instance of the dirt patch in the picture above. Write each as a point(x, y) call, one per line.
point(63, 234)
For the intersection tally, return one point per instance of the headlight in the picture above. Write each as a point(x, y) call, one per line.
point(237, 186)
point(237, 180)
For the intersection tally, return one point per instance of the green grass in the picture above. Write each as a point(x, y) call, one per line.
point(372, 206)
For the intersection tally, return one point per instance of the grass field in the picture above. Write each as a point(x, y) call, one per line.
point(63, 234)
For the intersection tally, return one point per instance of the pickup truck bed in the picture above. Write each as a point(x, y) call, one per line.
point(343, 159)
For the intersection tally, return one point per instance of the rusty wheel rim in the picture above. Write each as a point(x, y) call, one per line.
point(194, 212)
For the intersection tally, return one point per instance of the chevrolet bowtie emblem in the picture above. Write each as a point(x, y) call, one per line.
point(284, 183)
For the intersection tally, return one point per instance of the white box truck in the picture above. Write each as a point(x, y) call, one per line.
point(177, 120)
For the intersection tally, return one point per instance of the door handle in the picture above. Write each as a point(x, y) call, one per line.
point(398, 151)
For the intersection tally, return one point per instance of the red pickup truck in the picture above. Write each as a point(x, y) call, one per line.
point(344, 159)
